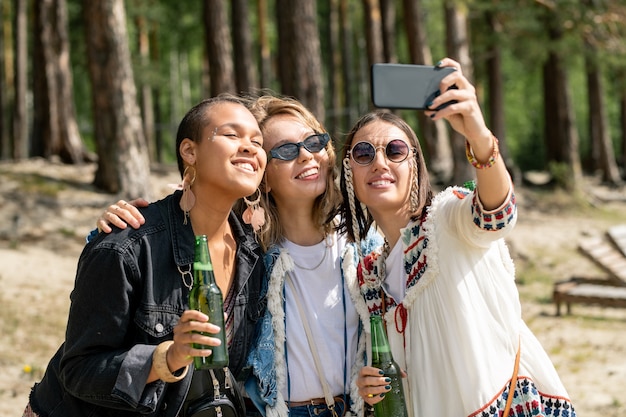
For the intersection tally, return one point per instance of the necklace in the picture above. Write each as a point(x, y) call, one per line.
point(329, 241)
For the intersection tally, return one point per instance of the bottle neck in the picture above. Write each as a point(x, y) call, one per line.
point(202, 266)
point(381, 351)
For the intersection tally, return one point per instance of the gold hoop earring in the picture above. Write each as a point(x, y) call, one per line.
point(254, 215)
point(188, 199)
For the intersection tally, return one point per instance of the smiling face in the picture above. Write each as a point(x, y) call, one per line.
point(383, 186)
point(302, 179)
point(227, 154)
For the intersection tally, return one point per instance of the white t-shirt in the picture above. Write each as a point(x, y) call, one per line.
point(318, 283)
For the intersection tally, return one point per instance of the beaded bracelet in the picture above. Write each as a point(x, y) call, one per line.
point(492, 159)
point(159, 361)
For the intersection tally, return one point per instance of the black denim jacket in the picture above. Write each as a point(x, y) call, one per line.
point(128, 296)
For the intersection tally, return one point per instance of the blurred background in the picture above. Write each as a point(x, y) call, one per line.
point(92, 91)
point(109, 80)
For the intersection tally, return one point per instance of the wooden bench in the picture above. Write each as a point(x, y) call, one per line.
point(587, 291)
point(617, 234)
point(610, 256)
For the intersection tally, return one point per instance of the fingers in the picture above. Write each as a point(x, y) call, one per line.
point(449, 62)
point(122, 214)
point(138, 202)
point(372, 384)
point(463, 111)
point(190, 327)
point(192, 338)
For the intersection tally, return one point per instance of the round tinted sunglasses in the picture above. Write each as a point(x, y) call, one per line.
point(396, 150)
point(290, 151)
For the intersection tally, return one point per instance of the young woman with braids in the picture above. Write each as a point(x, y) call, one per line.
point(444, 280)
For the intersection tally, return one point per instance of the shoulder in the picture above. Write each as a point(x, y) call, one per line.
point(155, 215)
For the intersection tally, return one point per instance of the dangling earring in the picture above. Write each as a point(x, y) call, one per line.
point(188, 198)
point(255, 214)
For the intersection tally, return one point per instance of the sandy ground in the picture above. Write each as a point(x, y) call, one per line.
point(47, 209)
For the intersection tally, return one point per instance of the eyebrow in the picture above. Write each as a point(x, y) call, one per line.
point(237, 126)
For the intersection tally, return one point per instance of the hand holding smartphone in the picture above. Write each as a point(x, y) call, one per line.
point(405, 86)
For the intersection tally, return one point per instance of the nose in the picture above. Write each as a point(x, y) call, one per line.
point(380, 158)
point(304, 154)
point(248, 145)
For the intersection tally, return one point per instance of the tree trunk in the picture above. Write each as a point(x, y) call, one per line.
point(155, 57)
point(433, 135)
point(20, 112)
point(334, 70)
point(373, 29)
point(622, 108)
point(123, 164)
point(388, 24)
point(219, 48)
point(303, 48)
point(560, 126)
point(55, 130)
point(264, 45)
point(146, 97)
point(284, 14)
point(603, 154)
point(457, 46)
point(5, 150)
point(348, 69)
point(495, 93)
point(245, 69)
point(495, 83)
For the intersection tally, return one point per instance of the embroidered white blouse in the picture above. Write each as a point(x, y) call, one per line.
point(453, 314)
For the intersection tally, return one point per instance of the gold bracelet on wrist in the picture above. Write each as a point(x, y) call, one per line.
point(492, 159)
point(159, 362)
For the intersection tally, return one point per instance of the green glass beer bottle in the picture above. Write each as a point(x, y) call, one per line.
point(393, 404)
point(206, 296)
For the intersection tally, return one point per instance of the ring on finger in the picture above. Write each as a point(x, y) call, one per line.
point(370, 395)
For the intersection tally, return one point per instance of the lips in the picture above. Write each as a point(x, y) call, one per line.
point(246, 165)
point(381, 182)
point(307, 173)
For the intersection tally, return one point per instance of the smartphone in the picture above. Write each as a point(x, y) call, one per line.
point(406, 86)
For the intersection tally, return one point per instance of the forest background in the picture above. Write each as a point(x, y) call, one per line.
point(109, 80)
point(91, 93)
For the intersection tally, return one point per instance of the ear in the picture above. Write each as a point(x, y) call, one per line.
point(188, 149)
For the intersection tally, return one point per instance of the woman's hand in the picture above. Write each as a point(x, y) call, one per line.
point(372, 384)
point(121, 214)
point(465, 116)
point(186, 332)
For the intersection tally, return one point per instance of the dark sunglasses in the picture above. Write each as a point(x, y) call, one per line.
point(290, 151)
point(363, 153)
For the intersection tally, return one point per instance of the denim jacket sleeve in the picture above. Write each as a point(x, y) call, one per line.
point(261, 385)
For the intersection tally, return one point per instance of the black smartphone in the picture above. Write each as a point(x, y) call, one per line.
point(406, 86)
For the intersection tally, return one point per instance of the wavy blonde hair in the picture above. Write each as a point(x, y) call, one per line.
point(326, 206)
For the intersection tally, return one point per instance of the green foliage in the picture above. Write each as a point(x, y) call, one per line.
point(176, 69)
